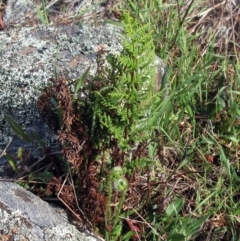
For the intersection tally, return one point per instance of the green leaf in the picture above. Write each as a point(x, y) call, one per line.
point(12, 163)
point(116, 232)
point(18, 129)
point(114, 23)
point(232, 138)
point(194, 226)
point(59, 112)
point(134, 6)
point(221, 103)
point(80, 82)
point(65, 163)
point(45, 176)
point(170, 225)
point(38, 139)
point(175, 237)
point(20, 153)
point(175, 207)
point(42, 16)
point(128, 235)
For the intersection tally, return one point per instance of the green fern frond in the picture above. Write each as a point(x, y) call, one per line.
point(124, 106)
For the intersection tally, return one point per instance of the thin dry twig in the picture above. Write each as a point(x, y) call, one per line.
point(141, 217)
point(33, 165)
point(5, 149)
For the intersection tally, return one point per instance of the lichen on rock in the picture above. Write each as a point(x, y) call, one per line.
point(32, 56)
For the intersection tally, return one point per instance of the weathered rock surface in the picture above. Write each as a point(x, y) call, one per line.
point(29, 57)
point(23, 217)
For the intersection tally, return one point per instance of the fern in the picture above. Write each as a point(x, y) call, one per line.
point(123, 106)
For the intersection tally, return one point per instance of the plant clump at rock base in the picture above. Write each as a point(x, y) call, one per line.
point(103, 129)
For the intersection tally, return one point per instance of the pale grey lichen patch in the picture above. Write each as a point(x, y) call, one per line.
point(17, 10)
point(65, 233)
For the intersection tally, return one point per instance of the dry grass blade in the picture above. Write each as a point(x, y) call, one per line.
point(219, 21)
point(5, 149)
point(145, 222)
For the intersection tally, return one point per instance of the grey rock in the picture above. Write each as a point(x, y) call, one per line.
point(16, 10)
point(23, 216)
point(31, 56)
